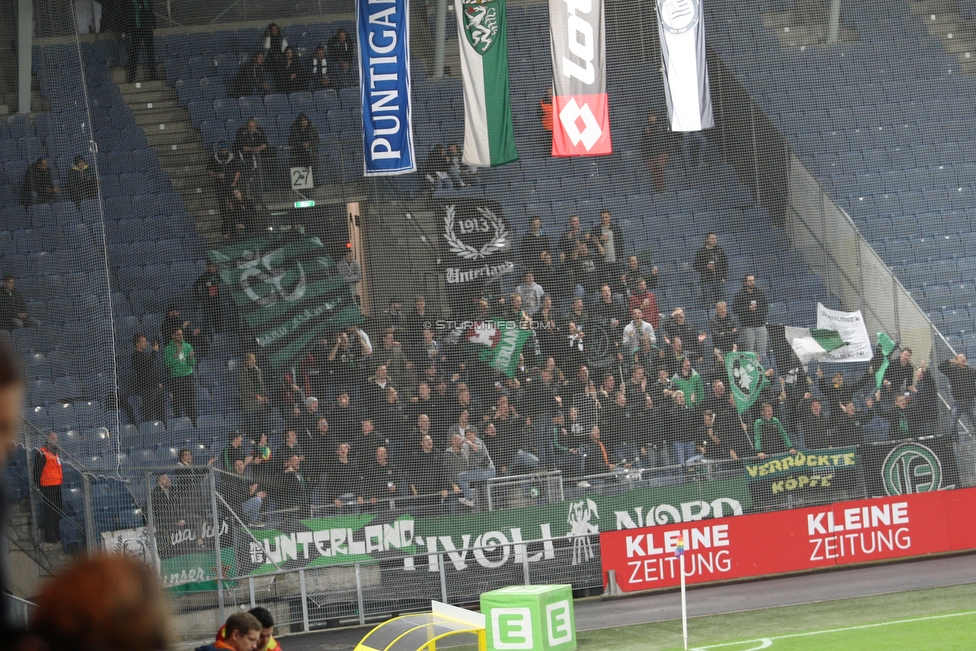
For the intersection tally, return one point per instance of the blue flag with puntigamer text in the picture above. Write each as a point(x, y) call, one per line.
point(289, 292)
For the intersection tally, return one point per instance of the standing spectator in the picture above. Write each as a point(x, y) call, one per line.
point(241, 491)
point(817, 433)
point(233, 452)
point(252, 78)
point(13, 307)
point(304, 142)
point(206, 289)
point(82, 183)
point(545, 116)
point(342, 56)
point(596, 459)
point(570, 239)
point(224, 170)
point(712, 266)
point(688, 380)
point(49, 476)
point(480, 466)
point(655, 146)
point(39, 187)
point(455, 461)
point(344, 482)
point(275, 45)
point(531, 293)
point(381, 479)
point(169, 511)
point(254, 396)
point(962, 381)
point(636, 272)
point(351, 272)
point(289, 76)
point(290, 448)
point(258, 159)
point(533, 244)
point(725, 333)
point(290, 487)
point(426, 476)
point(173, 322)
point(610, 239)
point(750, 308)
point(147, 379)
point(240, 218)
point(142, 22)
point(180, 360)
point(634, 331)
point(646, 301)
point(692, 338)
point(770, 435)
point(318, 71)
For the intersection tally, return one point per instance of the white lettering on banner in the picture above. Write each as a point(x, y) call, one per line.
point(580, 40)
point(491, 549)
point(455, 275)
point(663, 568)
point(383, 71)
point(874, 527)
point(695, 538)
point(667, 514)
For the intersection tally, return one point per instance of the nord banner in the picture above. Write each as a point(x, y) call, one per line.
point(384, 86)
point(580, 108)
point(791, 541)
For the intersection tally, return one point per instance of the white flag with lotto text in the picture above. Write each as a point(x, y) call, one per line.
point(681, 25)
point(850, 326)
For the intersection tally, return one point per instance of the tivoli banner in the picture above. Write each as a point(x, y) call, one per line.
point(682, 31)
point(489, 136)
point(384, 86)
point(289, 291)
point(580, 108)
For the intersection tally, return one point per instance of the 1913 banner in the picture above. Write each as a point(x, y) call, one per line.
point(580, 108)
point(384, 86)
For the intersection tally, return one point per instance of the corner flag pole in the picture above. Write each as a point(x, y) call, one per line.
point(679, 551)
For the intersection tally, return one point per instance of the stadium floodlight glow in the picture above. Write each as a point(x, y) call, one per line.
point(308, 203)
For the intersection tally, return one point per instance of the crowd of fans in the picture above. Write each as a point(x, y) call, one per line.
point(399, 415)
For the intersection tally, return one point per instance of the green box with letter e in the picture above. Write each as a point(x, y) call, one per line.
point(536, 617)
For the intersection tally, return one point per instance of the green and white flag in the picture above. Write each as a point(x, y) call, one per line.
point(497, 343)
point(489, 137)
point(796, 347)
point(886, 344)
point(747, 378)
point(289, 291)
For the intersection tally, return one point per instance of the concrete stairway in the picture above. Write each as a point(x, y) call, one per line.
point(181, 152)
point(29, 563)
point(958, 34)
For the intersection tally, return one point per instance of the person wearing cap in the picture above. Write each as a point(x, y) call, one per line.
point(82, 183)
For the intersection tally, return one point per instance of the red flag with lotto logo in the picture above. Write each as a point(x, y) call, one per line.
point(580, 107)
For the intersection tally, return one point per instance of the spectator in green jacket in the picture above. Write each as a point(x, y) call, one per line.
point(688, 380)
point(180, 361)
point(770, 435)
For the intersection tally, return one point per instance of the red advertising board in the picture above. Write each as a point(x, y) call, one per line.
point(790, 541)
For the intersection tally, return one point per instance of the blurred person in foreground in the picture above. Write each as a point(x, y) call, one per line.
point(100, 603)
point(266, 641)
point(11, 401)
point(241, 632)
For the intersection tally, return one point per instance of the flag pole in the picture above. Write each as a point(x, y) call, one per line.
point(679, 551)
point(684, 605)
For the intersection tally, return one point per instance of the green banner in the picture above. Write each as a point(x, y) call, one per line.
point(886, 344)
point(289, 291)
point(416, 541)
point(498, 343)
point(781, 465)
point(747, 378)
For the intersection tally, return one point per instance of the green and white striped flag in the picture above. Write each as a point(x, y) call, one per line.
point(497, 343)
point(289, 291)
point(489, 137)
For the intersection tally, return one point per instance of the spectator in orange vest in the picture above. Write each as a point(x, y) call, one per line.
point(49, 476)
point(241, 632)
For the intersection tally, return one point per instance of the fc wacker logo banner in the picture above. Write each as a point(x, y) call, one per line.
point(580, 108)
point(384, 86)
